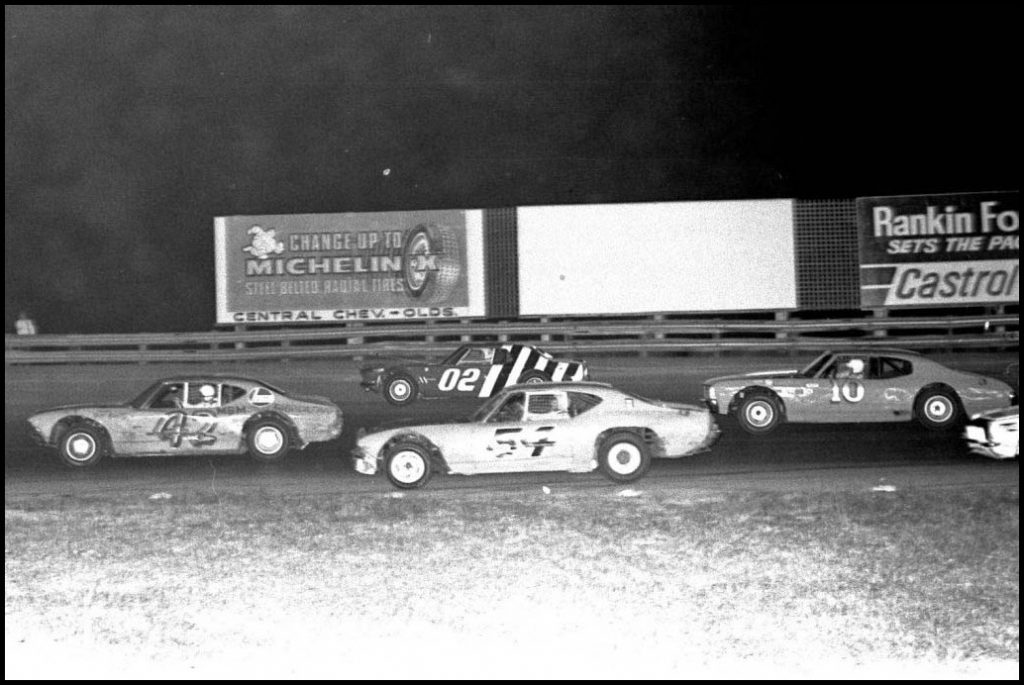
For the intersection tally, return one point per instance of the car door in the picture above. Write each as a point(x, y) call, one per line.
point(466, 375)
point(857, 391)
point(526, 432)
point(181, 419)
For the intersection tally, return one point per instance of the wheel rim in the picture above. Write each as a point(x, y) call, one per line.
point(420, 245)
point(408, 466)
point(760, 413)
point(624, 458)
point(268, 440)
point(400, 390)
point(81, 447)
point(534, 379)
point(938, 409)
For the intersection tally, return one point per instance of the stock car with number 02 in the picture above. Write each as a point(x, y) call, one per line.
point(188, 416)
point(478, 370)
point(857, 385)
point(575, 427)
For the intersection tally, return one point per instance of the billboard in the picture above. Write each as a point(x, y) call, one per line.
point(657, 257)
point(324, 268)
point(937, 250)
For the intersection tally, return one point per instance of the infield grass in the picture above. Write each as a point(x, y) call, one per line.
point(600, 583)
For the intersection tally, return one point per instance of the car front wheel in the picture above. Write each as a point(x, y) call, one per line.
point(408, 466)
point(759, 413)
point(400, 389)
point(82, 446)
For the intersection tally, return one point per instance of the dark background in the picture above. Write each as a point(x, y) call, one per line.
point(128, 129)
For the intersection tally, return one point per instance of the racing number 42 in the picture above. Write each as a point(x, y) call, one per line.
point(463, 380)
point(851, 391)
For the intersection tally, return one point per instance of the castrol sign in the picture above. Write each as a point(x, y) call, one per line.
point(937, 250)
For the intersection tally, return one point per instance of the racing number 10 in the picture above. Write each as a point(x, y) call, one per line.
point(463, 379)
point(851, 391)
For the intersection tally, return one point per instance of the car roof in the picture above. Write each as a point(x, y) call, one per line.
point(875, 351)
point(210, 378)
point(563, 385)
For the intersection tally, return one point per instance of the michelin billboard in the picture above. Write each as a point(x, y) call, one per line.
point(324, 268)
point(938, 250)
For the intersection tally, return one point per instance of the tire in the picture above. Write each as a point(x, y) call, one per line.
point(408, 466)
point(431, 287)
point(534, 377)
point(938, 409)
point(400, 389)
point(623, 457)
point(267, 440)
point(82, 446)
point(759, 413)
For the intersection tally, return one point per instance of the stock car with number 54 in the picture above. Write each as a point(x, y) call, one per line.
point(857, 385)
point(188, 416)
point(478, 370)
point(575, 427)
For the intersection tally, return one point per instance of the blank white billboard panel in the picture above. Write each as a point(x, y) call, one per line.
point(656, 257)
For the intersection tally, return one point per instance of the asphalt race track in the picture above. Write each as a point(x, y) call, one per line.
point(793, 458)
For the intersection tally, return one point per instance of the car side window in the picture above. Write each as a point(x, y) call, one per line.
point(580, 402)
point(477, 355)
point(891, 367)
point(202, 395)
point(543, 406)
point(230, 393)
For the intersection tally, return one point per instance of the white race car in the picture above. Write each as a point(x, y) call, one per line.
point(575, 427)
point(995, 433)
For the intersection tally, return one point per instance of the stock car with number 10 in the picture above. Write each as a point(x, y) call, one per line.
point(857, 385)
point(575, 427)
point(188, 416)
point(477, 370)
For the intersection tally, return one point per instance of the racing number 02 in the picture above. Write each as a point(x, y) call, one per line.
point(851, 391)
point(462, 379)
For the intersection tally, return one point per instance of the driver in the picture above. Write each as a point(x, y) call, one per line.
point(209, 396)
point(854, 368)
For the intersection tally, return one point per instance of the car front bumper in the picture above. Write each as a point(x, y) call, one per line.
point(364, 463)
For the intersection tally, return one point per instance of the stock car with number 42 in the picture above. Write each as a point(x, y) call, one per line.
point(470, 371)
point(575, 427)
point(188, 416)
point(857, 385)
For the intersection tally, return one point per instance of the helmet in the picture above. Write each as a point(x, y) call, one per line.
point(855, 365)
point(208, 392)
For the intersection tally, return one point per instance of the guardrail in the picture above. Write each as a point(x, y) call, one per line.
point(656, 334)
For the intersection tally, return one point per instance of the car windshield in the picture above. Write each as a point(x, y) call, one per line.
point(454, 356)
point(486, 408)
point(815, 367)
point(145, 395)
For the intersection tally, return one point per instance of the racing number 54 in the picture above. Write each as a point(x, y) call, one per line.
point(851, 391)
point(462, 379)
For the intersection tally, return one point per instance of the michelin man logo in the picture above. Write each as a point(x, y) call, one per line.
point(264, 243)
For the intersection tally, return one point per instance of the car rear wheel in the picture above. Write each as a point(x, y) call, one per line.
point(408, 466)
point(534, 377)
point(267, 440)
point(82, 446)
point(937, 409)
point(623, 457)
point(759, 413)
point(400, 389)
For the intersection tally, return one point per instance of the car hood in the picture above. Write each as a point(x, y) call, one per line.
point(784, 373)
point(314, 399)
point(69, 408)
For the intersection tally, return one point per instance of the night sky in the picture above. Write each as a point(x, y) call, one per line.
point(128, 129)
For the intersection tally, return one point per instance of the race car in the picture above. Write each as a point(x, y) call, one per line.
point(857, 385)
point(995, 434)
point(477, 370)
point(189, 415)
point(575, 427)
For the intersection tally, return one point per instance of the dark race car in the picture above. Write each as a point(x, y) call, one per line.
point(855, 386)
point(471, 371)
point(190, 415)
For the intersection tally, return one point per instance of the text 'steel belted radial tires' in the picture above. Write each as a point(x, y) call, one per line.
point(431, 263)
